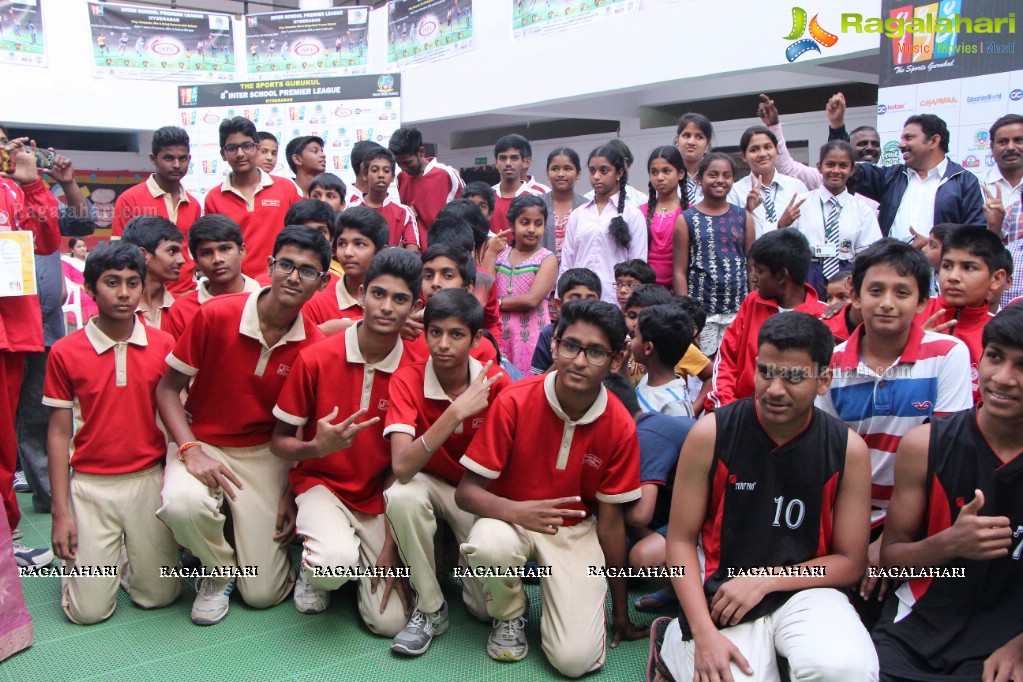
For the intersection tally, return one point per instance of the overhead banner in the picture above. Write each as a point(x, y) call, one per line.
point(331, 42)
point(427, 30)
point(538, 17)
point(21, 33)
point(956, 59)
point(161, 44)
point(342, 111)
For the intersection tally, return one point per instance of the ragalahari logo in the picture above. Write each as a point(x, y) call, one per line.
point(803, 45)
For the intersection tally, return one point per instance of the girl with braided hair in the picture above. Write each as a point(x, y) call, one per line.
point(663, 210)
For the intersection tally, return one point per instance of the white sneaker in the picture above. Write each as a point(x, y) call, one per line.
point(508, 640)
point(307, 598)
point(420, 630)
point(21, 483)
point(212, 600)
point(32, 556)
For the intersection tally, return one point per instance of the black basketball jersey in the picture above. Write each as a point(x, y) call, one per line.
point(945, 627)
point(770, 504)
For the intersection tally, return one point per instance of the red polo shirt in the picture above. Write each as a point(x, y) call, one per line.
point(185, 307)
point(400, 221)
point(333, 303)
point(429, 193)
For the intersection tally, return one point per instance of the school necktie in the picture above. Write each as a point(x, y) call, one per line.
point(691, 190)
point(831, 264)
point(768, 194)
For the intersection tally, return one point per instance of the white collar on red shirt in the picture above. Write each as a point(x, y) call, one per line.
point(431, 384)
point(249, 325)
point(265, 180)
point(156, 191)
point(354, 355)
point(250, 285)
point(344, 299)
point(524, 188)
point(591, 415)
point(101, 343)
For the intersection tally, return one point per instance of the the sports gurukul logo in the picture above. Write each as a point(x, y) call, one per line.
point(818, 36)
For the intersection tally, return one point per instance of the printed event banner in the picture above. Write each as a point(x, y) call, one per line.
point(161, 44)
point(427, 30)
point(21, 33)
point(342, 111)
point(331, 42)
point(537, 17)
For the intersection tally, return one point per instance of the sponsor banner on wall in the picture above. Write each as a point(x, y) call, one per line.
point(330, 42)
point(161, 44)
point(21, 33)
point(538, 17)
point(427, 30)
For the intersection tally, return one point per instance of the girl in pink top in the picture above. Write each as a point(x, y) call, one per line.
point(663, 211)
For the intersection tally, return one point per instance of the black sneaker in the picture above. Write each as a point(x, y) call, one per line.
point(656, 671)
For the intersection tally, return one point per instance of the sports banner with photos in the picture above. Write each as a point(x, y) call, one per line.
point(21, 33)
point(539, 17)
point(342, 111)
point(953, 59)
point(330, 42)
point(161, 44)
point(427, 30)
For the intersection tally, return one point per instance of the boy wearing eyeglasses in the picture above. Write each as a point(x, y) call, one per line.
point(553, 491)
point(237, 352)
point(256, 200)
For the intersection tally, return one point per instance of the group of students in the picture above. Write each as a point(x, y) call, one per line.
point(323, 385)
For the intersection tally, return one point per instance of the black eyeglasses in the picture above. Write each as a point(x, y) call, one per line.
point(244, 146)
point(286, 267)
point(595, 355)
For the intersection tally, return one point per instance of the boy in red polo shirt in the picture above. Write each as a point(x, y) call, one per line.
point(970, 274)
point(162, 195)
point(306, 159)
point(361, 234)
point(104, 377)
point(234, 357)
point(512, 155)
point(444, 402)
point(159, 240)
point(554, 452)
point(378, 166)
point(781, 260)
point(344, 464)
point(424, 184)
point(255, 200)
point(216, 242)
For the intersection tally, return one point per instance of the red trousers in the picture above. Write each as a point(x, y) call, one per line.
point(12, 366)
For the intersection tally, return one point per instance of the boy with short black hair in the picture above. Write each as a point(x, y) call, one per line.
point(378, 167)
point(216, 244)
point(329, 188)
point(970, 275)
point(253, 198)
point(340, 495)
point(780, 260)
point(159, 240)
point(306, 160)
point(481, 194)
point(321, 217)
point(361, 234)
point(531, 505)
point(104, 377)
point(775, 490)
point(444, 401)
point(163, 195)
point(468, 213)
point(662, 336)
point(629, 275)
point(958, 506)
point(268, 146)
point(574, 284)
point(424, 184)
point(234, 357)
point(359, 187)
point(512, 156)
point(932, 249)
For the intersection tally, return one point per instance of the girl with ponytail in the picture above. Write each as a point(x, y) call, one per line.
point(606, 230)
point(663, 210)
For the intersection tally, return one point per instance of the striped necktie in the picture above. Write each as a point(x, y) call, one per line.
point(768, 194)
point(691, 188)
point(831, 265)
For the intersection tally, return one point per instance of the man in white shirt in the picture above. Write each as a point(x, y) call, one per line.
point(1003, 184)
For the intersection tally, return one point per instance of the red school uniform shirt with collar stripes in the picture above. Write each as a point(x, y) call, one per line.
point(177, 317)
point(236, 376)
point(332, 374)
point(969, 327)
point(333, 303)
point(400, 221)
point(418, 401)
point(111, 387)
point(530, 450)
point(429, 192)
point(499, 218)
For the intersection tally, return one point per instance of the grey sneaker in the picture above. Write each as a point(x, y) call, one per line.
point(212, 600)
point(508, 640)
point(420, 630)
point(307, 598)
point(21, 483)
point(31, 556)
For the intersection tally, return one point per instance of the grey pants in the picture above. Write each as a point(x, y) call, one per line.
point(32, 423)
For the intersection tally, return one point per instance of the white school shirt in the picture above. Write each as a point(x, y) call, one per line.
point(857, 224)
point(632, 196)
point(785, 187)
point(916, 210)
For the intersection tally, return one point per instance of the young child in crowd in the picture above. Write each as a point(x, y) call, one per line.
point(526, 273)
point(329, 188)
point(268, 147)
point(104, 377)
point(663, 209)
point(468, 212)
point(606, 230)
point(319, 216)
point(932, 249)
point(378, 166)
point(577, 283)
point(711, 248)
point(339, 495)
point(692, 137)
point(481, 194)
point(662, 336)
point(629, 275)
point(436, 409)
point(159, 240)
